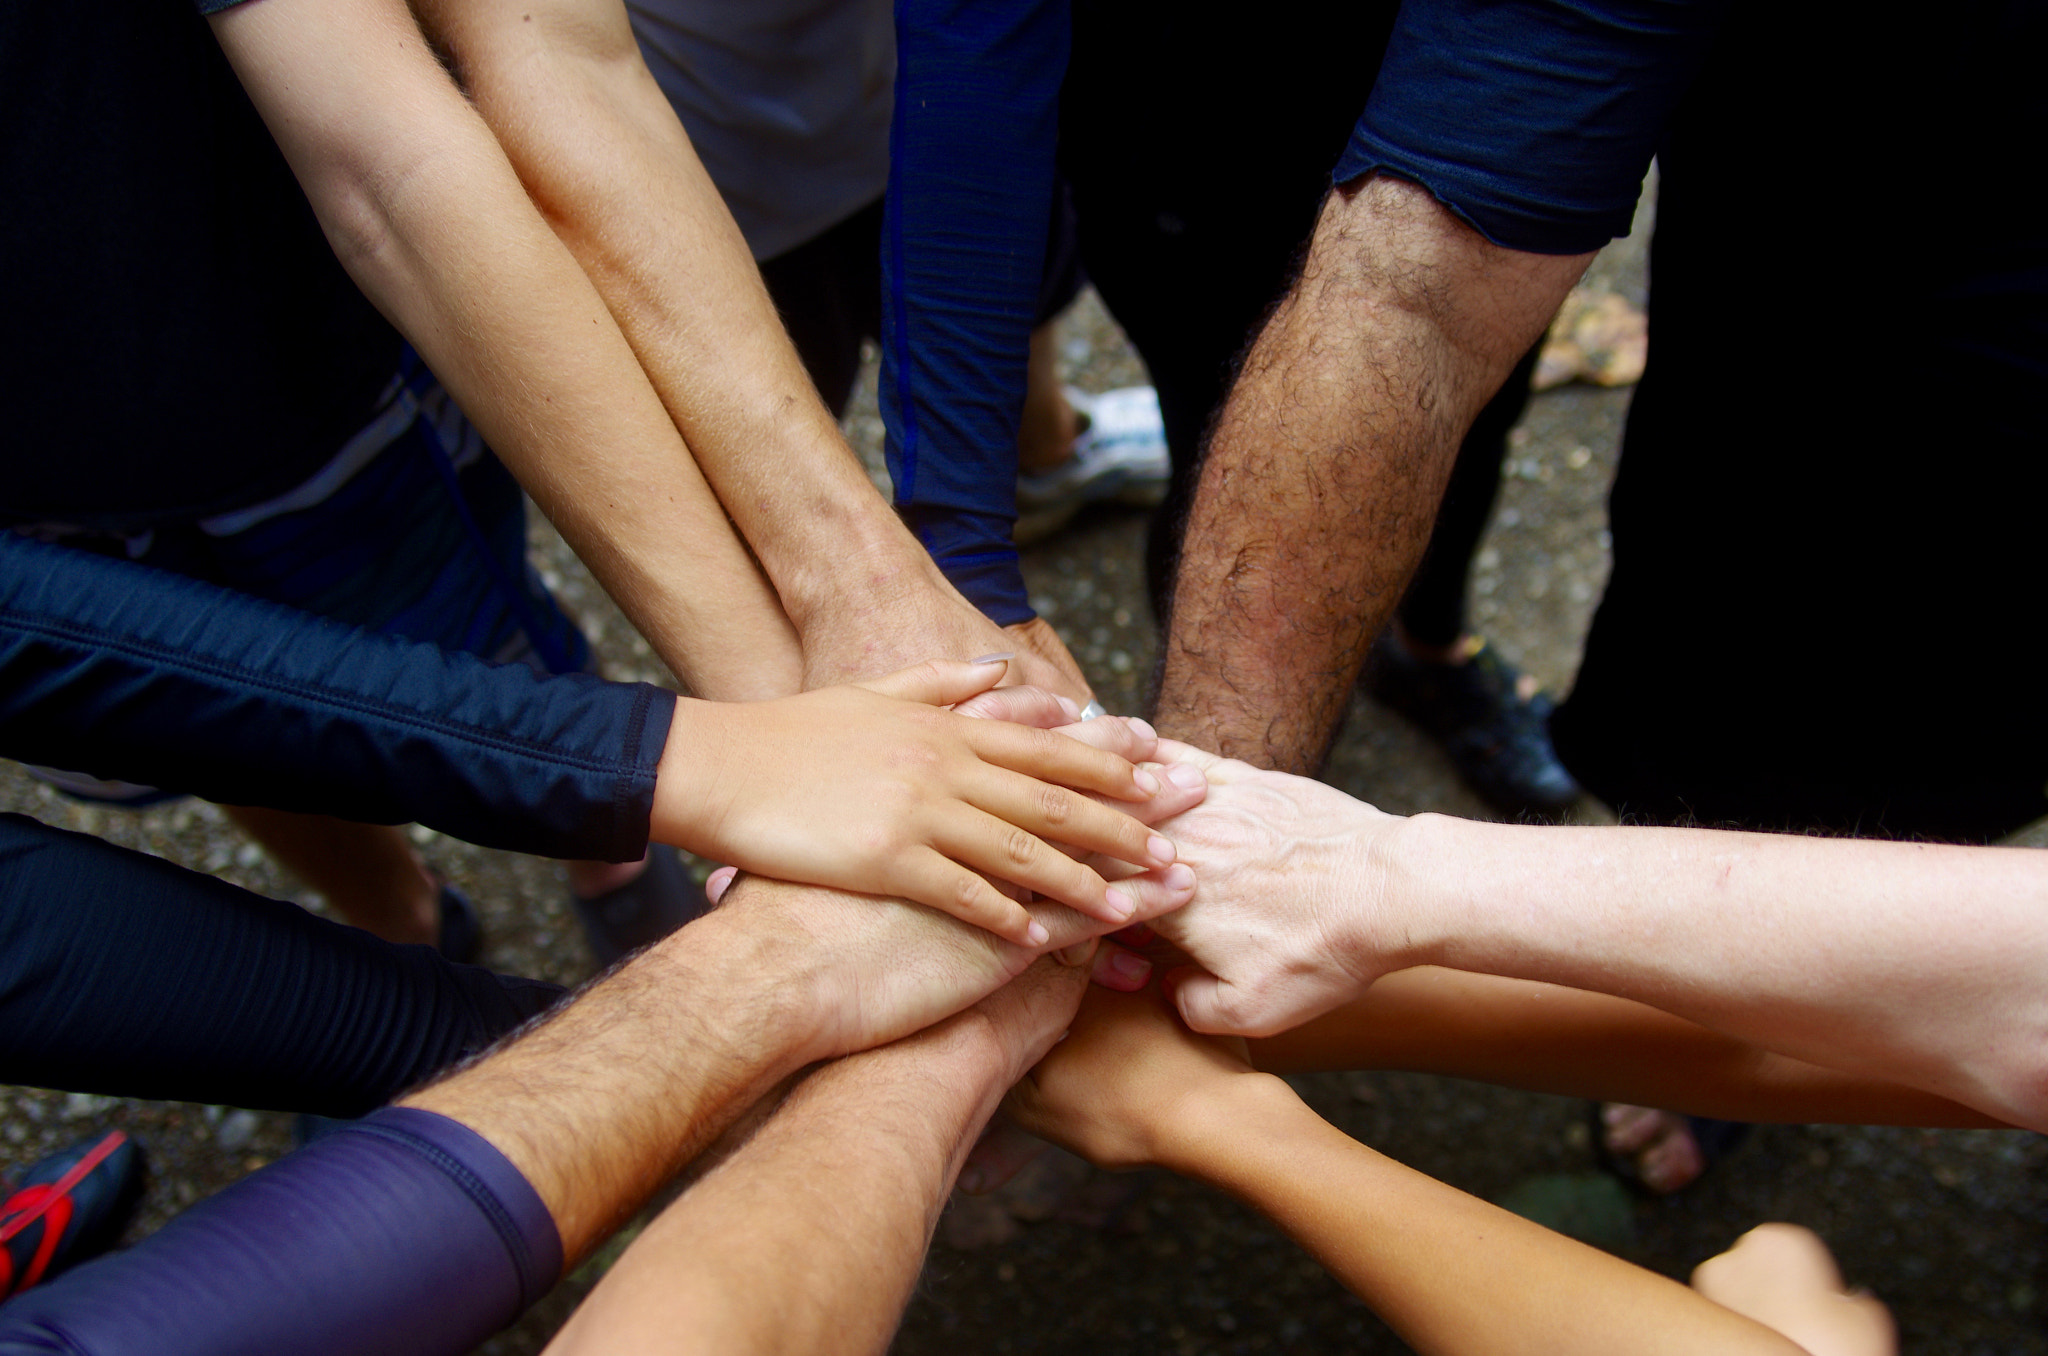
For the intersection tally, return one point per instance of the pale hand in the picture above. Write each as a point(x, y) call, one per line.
point(1290, 907)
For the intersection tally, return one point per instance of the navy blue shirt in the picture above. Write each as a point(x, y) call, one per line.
point(1534, 120)
point(963, 251)
point(182, 340)
point(123, 671)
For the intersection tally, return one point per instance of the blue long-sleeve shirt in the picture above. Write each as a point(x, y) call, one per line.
point(963, 249)
point(123, 671)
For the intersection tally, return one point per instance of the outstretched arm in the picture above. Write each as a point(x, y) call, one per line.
point(425, 211)
point(562, 85)
point(1545, 1038)
point(1902, 962)
point(1447, 1271)
point(809, 1238)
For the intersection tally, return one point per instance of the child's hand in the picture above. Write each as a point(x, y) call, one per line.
point(1126, 1072)
point(873, 788)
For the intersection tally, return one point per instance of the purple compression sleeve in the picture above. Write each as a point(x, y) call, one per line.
point(404, 1232)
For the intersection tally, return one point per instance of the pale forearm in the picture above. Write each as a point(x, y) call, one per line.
point(426, 213)
point(1321, 483)
point(1447, 1271)
point(809, 1238)
point(596, 143)
point(1567, 1042)
point(1908, 962)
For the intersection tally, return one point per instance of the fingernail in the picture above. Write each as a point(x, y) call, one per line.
point(994, 658)
point(1143, 730)
point(1036, 934)
point(1080, 953)
point(1186, 776)
point(1178, 877)
point(1147, 783)
point(1070, 708)
point(1130, 966)
point(1161, 849)
point(1120, 902)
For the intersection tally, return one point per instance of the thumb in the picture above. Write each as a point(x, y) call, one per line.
point(942, 682)
point(1201, 999)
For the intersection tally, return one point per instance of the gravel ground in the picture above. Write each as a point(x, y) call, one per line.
point(1942, 1225)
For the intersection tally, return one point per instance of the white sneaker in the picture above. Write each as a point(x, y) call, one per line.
point(1119, 457)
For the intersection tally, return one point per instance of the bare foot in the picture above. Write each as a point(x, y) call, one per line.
point(1784, 1277)
point(1659, 1144)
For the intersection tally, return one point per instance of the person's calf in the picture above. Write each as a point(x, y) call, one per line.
point(368, 873)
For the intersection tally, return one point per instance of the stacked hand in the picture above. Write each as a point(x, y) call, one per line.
point(1128, 1077)
point(874, 788)
point(1293, 915)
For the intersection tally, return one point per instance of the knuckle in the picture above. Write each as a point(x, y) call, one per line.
point(1056, 805)
point(1042, 743)
point(1019, 846)
point(967, 894)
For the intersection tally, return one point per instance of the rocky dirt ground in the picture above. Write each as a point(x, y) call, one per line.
point(1946, 1226)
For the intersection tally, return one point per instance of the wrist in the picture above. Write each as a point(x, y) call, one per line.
point(867, 570)
point(1213, 1127)
point(758, 988)
point(691, 776)
point(1404, 866)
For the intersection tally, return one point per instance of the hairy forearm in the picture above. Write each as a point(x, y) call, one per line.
point(427, 214)
point(1447, 1271)
point(1906, 962)
point(809, 1238)
point(1543, 1038)
point(610, 1097)
point(598, 146)
point(1321, 482)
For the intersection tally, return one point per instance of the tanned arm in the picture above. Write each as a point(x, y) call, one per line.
point(1545, 1038)
point(617, 1091)
point(810, 1237)
point(1448, 1272)
point(1322, 480)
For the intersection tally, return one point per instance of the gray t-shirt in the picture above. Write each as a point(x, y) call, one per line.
point(786, 101)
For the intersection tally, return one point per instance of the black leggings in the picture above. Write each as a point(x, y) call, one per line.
point(123, 974)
